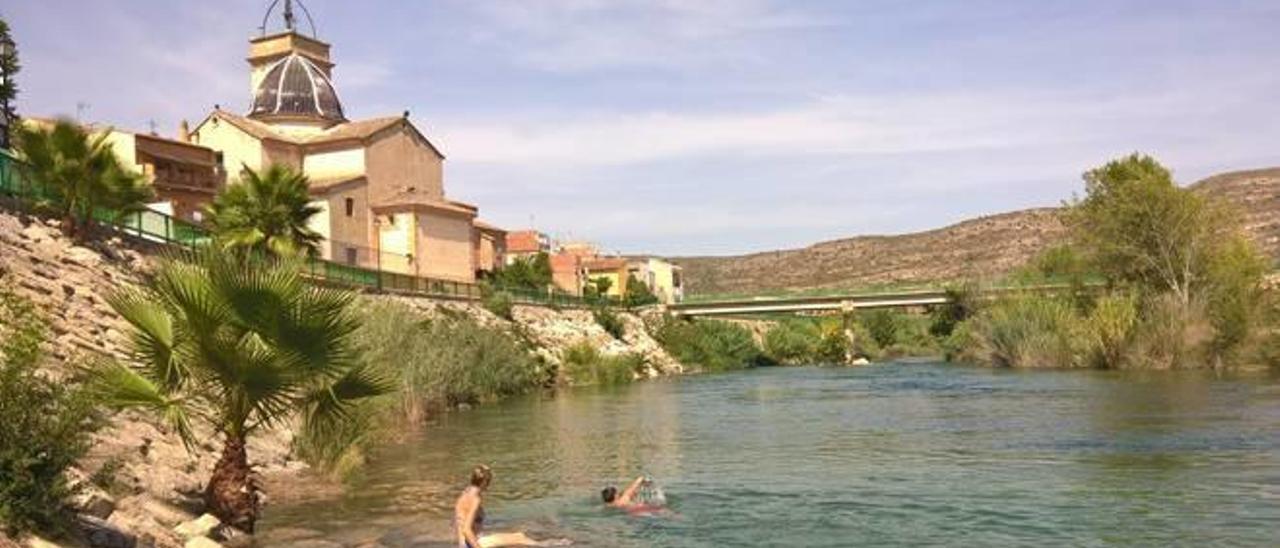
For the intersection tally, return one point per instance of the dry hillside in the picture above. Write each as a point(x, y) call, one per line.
point(983, 247)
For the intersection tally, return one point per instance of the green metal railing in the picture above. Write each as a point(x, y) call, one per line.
point(158, 227)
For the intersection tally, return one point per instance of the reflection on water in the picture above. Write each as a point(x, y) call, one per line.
point(889, 454)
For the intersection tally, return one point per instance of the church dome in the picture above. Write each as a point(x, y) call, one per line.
point(295, 87)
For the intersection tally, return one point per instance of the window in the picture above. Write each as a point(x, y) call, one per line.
point(351, 256)
point(351, 207)
point(391, 219)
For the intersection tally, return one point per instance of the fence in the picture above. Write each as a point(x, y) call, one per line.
point(158, 227)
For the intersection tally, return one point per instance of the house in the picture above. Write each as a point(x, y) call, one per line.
point(664, 279)
point(491, 248)
point(379, 182)
point(523, 244)
point(184, 176)
point(567, 273)
point(612, 269)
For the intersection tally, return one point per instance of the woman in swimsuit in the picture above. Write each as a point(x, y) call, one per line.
point(469, 518)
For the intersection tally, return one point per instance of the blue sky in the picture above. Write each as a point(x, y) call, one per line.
point(720, 126)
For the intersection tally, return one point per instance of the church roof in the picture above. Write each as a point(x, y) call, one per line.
point(409, 199)
point(295, 87)
point(355, 130)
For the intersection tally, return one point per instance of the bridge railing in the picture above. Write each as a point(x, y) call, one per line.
point(157, 227)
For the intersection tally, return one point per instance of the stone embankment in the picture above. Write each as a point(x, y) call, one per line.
point(156, 484)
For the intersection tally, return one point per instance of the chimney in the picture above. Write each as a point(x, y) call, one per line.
point(184, 132)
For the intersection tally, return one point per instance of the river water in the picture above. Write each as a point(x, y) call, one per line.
point(900, 454)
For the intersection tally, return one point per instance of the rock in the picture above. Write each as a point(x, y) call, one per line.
point(164, 513)
point(860, 361)
point(100, 534)
point(94, 502)
point(201, 542)
point(32, 542)
point(198, 527)
point(81, 256)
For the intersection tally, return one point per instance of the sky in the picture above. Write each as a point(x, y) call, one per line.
point(685, 127)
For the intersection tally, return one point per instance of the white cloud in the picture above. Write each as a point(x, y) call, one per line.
point(839, 125)
point(580, 35)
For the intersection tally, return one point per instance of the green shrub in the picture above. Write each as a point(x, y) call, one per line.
point(834, 342)
point(862, 344)
point(500, 303)
point(709, 345)
point(1110, 325)
point(638, 294)
point(1028, 332)
point(45, 428)
point(882, 324)
point(584, 364)
point(339, 449)
point(793, 341)
point(609, 321)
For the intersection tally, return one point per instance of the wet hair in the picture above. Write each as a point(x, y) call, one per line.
point(481, 475)
point(609, 494)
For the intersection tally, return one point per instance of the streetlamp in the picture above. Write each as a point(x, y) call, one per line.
point(6, 50)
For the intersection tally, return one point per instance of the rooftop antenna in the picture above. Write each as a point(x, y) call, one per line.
point(289, 18)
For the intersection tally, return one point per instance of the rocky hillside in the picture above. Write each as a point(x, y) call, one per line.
point(1257, 194)
point(158, 482)
point(983, 247)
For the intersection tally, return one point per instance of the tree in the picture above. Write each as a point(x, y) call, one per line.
point(238, 344)
point(79, 174)
point(638, 293)
point(266, 213)
point(530, 273)
point(1138, 227)
point(9, 66)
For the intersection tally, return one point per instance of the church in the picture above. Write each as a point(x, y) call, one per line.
point(379, 182)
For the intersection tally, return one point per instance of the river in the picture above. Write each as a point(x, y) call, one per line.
point(899, 454)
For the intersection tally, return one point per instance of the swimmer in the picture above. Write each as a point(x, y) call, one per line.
point(469, 518)
point(627, 500)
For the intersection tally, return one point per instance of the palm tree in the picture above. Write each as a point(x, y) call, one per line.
point(266, 212)
point(238, 344)
point(78, 173)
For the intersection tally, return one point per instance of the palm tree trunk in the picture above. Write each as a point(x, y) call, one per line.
point(231, 494)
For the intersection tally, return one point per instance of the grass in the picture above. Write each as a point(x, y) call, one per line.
point(434, 364)
point(583, 364)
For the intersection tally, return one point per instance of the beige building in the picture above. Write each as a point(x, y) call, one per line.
point(184, 176)
point(379, 182)
point(664, 279)
point(491, 248)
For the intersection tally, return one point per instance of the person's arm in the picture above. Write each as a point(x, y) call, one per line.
point(630, 491)
point(467, 518)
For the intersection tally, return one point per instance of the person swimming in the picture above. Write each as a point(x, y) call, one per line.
point(630, 499)
point(468, 518)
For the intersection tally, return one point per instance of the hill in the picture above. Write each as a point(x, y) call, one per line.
point(977, 248)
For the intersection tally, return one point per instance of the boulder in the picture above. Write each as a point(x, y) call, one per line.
point(94, 502)
point(201, 542)
point(100, 534)
point(199, 527)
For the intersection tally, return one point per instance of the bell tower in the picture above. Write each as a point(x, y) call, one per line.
point(269, 47)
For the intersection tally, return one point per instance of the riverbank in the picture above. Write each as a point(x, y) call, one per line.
point(144, 481)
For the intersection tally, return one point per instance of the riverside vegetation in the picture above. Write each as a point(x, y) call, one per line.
point(1159, 277)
